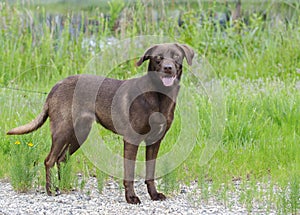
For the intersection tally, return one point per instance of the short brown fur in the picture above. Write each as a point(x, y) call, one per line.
point(139, 109)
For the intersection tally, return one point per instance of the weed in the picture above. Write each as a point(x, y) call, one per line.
point(294, 195)
point(170, 183)
point(101, 179)
point(23, 164)
point(68, 178)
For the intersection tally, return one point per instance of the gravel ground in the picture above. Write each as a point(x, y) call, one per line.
point(112, 201)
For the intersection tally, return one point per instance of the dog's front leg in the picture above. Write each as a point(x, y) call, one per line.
point(151, 155)
point(130, 151)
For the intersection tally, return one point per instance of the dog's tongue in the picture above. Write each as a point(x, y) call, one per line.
point(168, 81)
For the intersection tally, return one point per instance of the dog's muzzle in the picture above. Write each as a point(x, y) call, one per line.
point(168, 75)
point(168, 80)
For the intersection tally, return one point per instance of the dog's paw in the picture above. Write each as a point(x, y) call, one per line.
point(57, 192)
point(133, 200)
point(158, 197)
point(49, 193)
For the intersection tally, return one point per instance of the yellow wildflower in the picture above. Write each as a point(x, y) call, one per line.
point(30, 144)
point(17, 142)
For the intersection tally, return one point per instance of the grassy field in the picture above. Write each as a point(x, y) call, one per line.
point(255, 134)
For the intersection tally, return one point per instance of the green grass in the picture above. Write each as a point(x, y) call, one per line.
point(250, 120)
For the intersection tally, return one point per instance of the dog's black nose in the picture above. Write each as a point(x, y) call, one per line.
point(168, 68)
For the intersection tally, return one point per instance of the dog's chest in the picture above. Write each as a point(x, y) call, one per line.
point(153, 110)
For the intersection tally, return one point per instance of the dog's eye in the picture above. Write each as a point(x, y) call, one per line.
point(176, 57)
point(158, 59)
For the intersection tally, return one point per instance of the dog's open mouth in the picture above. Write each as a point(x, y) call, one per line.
point(168, 80)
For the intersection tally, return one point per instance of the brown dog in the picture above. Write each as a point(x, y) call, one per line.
point(139, 109)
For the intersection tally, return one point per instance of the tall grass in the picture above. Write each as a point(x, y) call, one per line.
point(257, 65)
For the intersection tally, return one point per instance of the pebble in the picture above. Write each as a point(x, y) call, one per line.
point(112, 201)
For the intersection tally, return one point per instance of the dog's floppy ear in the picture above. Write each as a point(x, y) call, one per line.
point(146, 55)
point(188, 52)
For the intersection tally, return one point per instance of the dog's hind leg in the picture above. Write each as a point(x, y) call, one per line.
point(82, 129)
point(62, 158)
point(57, 146)
point(68, 151)
point(66, 137)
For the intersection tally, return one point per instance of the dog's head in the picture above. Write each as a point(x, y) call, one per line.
point(166, 61)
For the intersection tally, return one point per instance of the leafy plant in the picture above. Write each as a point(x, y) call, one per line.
point(24, 160)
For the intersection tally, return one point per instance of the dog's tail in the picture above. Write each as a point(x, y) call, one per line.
point(33, 125)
